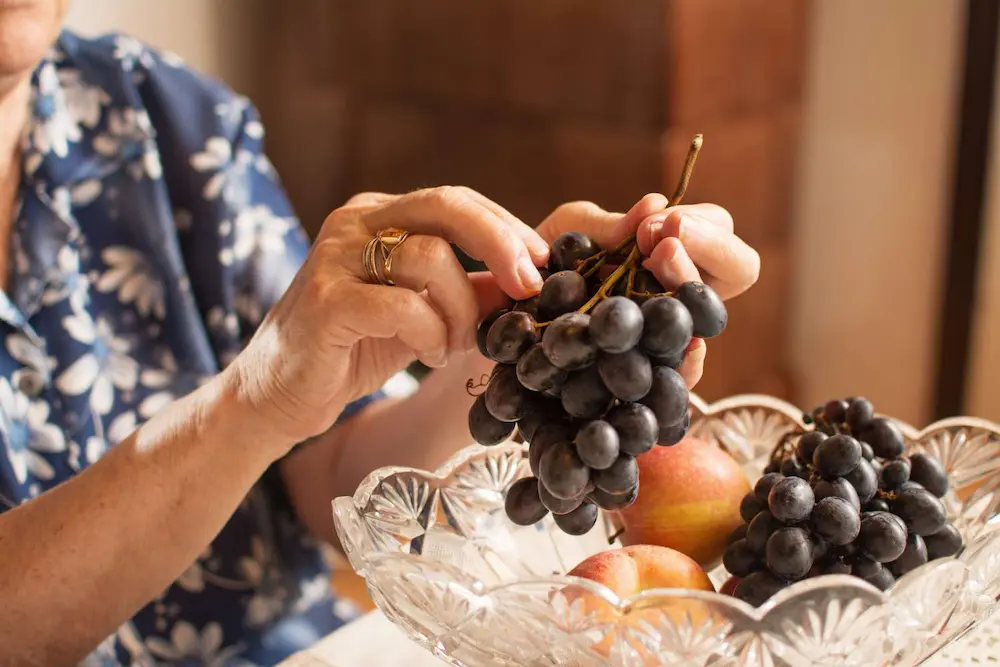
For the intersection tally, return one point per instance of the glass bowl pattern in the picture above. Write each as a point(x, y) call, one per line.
point(442, 562)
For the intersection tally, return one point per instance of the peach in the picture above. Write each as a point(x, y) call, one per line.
point(689, 500)
point(729, 587)
point(630, 570)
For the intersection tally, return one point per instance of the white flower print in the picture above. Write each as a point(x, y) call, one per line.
point(26, 428)
point(267, 601)
point(84, 102)
point(73, 284)
point(131, 51)
point(31, 356)
point(128, 125)
point(186, 643)
point(222, 323)
point(105, 368)
point(258, 229)
point(228, 171)
point(54, 132)
point(119, 429)
point(131, 275)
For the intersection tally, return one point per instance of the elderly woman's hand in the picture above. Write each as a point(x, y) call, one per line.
point(335, 337)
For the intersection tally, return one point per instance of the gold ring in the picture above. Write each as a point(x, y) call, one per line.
point(382, 246)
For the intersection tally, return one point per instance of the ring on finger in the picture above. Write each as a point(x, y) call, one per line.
point(381, 247)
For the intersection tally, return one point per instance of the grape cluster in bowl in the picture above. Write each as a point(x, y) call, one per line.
point(841, 499)
point(587, 372)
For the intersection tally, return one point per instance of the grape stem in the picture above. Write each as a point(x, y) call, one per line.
point(612, 280)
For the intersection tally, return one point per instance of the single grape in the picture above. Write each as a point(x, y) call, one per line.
point(885, 438)
point(510, 336)
point(567, 342)
point(883, 579)
point(568, 249)
point(751, 506)
point(882, 538)
point(584, 394)
point(792, 467)
point(834, 566)
point(837, 456)
point(758, 588)
point(708, 312)
point(613, 502)
point(864, 567)
point(764, 485)
point(558, 505)
point(791, 500)
point(668, 327)
point(673, 361)
point(876, 505)
point(563, 473)
point(837, 488)
point(836, 521)
point(506, 399)
point(789, 553)
point(668, 396)
point(536, 372)
point(636, 426)
point(620, 478)
point(627, 375)
point(895, 473)
point(545, 412)
point(927, 471)
point(597, 444)
point(807, 444)
point(867, 453)
point(921, 510)
point(740, 533)
point(864, 480)
point(772, 466)
point(946, 542)
point(646, 282)
point(486, 429)
point(563, 292)
point(616, 324)
point(859, 416)
point(835, 411)
point(876, 465)
point(579, 521)
point(484, 330)
point(671, 435)
point(522, 504)
point(913, 556)
point(529, 306)
point(740, 560)
point(760, 529)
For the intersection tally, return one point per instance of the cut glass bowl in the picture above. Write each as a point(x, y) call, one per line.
point(443, 562)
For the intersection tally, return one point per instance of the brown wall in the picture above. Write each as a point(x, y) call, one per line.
point(536, 103)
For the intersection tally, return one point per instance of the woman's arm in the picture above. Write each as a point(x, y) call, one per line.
point(109, 540)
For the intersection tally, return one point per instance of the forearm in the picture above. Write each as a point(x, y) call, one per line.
point(116, 535)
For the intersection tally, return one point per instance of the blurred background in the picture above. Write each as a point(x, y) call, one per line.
point(850, 140)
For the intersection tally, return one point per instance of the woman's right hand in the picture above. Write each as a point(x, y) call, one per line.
point(334, 337)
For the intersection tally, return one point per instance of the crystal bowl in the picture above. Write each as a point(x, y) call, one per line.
point(443, 562)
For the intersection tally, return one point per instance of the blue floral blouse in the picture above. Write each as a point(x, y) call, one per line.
point(151, 235)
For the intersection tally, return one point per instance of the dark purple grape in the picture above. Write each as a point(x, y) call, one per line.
point(668, 326)
point(883, 579)
point(486, 429)
point(636, 426)
point(612, 502)
point(791, 500)
point(627, 375)
point(506, 399)
point(807, 444)
point(921, 510)
point(563, 292)
point(529, 306)
point(864, 480)
point(536, 372)
point(836, 521)
point(616, 324)
point(772, 466)
point(544, 413)
point(563, 473)
point(927, 471)
point(760, 529)
point(751, 506)
point(886, 438)
point(740, 533)
point(668, 396)
point(833, 566)
point(837, 455)
point(522, 504)
point(673, 361)
point(579, 521)
point(740, 560)
point(764, 485)
point(946, 542)
point(645, 281)
point(835, 411)
point(758, 588)
point(708, 312)
point(867, 453)
point(558, 505)
point(511, 336)
point(859, 416)
point(882, 538)
point(569, 249)
point(671, 435)
point(864, 567)
point(791, 467)
point(484, 330)
point(584, 394)
point(789, 553)
point(913, 556)
point(876, 505)
point(597, 444)
point(895, 473)
point(567, 342)
point(620, 478)
point(837, 488)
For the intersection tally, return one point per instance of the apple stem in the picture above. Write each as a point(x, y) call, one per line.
point(615, 536)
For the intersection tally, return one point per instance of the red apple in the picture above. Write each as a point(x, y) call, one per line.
point(689, 500)
point(630, 570)
point(729, 587)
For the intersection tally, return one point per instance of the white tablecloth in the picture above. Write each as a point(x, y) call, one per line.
point(373, 641)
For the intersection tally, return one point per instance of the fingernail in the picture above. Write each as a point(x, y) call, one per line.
point(528, 274)
point(538, 246)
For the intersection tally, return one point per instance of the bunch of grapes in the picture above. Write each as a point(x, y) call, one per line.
point(842, 499)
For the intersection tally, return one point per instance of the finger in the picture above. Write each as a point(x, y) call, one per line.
point(480, 233)
point(693, 366)
point(663, 224)
point(370, 199)
point(489, 296)
point(428, 263)
point(671, 264)
point(607, 229)
point(537, 246)
point(390, 312)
